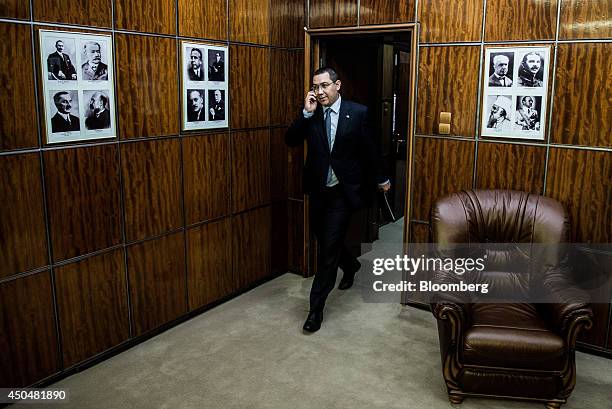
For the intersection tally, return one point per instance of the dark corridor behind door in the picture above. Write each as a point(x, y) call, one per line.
point(372, 70)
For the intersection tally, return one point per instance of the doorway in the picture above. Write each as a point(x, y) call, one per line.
point(377, 67)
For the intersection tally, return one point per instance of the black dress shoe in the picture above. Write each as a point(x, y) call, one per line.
point(348, 277)
point(313, 322)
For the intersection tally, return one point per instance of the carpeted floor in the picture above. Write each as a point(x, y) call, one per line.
point(251, 353)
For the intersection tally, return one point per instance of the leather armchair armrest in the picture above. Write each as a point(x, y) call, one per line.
point(568, 307)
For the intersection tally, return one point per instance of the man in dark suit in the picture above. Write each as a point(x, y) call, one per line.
point(99, 114)
point(499, 77)
point(59, 65)
point(216, 70)
point(195, 70)
point(195, 106)
point(340, 174)
point(531, 71)
point(217, 107)
point(94, 69)
point(63, 120)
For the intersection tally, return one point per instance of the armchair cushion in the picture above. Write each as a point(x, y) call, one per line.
point(512, 336)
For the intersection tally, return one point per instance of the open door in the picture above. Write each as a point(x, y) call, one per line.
point(377, 66)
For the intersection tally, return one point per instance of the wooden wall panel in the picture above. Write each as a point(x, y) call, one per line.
point(521, 20)
point(203, 19)
point(287, 85)
point(287, 23)
point(295, 172)
point(295, 236)
point(17, 105)
point(582, 181)
point(152, 188)
point(279, 247)
point(151, 16)
point(147, 79)
point(419, 233)
point(251, 233)
point(206, 173)
point(445, 22)
point(250, 86)
point(515, 167)
point(583, 89)
point(15, 9)
point(92, 306)
point(333, 13)
point(250, 169)
point(440, 167)
point(157, 282)
point(441, 88)
point(249, 21)
point(28, 342)
point(278, 164)
point(82, 12)
point(209, 263)
point(84, 198)
point(585, 19)
point(23, 242)
point(386, 11)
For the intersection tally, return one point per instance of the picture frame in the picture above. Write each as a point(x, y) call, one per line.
point(78, 86)
point(515, 92)
point(204, 86)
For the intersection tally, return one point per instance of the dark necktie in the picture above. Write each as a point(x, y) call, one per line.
point(328, 127)
point(329, 140)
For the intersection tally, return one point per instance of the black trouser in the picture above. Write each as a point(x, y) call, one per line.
point(330, 217)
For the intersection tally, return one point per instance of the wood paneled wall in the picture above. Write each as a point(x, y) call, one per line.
point(107, 241)
point(573, 164)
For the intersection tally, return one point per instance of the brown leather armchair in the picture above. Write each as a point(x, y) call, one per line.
point(517, 350)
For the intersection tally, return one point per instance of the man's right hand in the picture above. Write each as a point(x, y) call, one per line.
point(310, 103)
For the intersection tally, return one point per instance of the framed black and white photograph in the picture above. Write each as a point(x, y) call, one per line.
point(97, 107)
point(514, 92)
point(78, 85)
point(216, 105)
point(528, 112)
point(531, 69)
point(64, 112)
point(196, 69)
point(196, 111)
point(501, 67)
point(60, 52)
point(94, 60)
point(499, 113)
point(216, 65)
point(204, 86)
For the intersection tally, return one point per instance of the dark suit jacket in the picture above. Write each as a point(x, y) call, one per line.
point(194, 77)
point(101, 121)
point(496, 82)
point(216, 71)
point(101, 72)
point(59, 124)
point(219, 111)
point(355, 157)
point(193, 116)
point(56, 64)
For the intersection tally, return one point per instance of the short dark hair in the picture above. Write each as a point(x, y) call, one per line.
point(197, 50)
point(333, 75)
point(56, 97)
